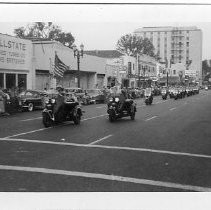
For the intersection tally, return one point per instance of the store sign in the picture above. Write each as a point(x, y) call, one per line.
point(15, 53)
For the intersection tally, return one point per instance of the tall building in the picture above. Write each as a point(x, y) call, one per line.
point(177, 44)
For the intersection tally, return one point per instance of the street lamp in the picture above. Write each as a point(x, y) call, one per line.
point(78, 54)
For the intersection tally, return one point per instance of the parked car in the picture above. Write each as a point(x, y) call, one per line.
point(78, 92)
point(32, 99)
point(96, 95)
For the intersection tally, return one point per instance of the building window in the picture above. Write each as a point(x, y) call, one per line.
point(129, 67)
point(187, 32)
point(174, 72)
point(180, 44)
point(187, 43)
point(165, 32)
point(180, 32)
point(187, 37)
point(133, 66)
point(144, 34)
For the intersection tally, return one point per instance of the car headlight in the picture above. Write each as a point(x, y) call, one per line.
point(110, 99)
point(53, 101)
point(116, 99)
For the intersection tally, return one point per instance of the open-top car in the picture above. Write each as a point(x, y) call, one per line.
point(96, 95)
point(32, 99)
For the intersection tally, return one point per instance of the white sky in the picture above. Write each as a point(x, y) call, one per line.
point(100, 26)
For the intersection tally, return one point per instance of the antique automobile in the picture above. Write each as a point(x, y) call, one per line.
point(69, 110)
point(31, 99)
point(117, 110)
point(96, 96)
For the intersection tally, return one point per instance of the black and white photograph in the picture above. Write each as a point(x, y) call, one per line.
point(106, 98)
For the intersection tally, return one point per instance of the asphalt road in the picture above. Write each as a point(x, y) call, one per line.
point(166, 148)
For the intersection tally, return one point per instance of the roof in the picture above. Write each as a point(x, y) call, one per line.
point(104, 53)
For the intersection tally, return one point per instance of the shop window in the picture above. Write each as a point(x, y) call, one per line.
point(22, 81)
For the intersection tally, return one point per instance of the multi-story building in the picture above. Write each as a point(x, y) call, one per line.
point(178, 45)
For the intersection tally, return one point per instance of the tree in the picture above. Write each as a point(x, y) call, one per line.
point(45, 31)
point(133, 45)
point(206, 68)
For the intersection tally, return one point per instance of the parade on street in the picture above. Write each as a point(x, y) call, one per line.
point(166, 148)
point(106, 98)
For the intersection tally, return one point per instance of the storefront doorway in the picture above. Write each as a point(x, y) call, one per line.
point(10, 81)
point(1, 80)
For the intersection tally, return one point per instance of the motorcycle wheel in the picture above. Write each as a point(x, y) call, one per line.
point(46, 120)
point(77, 119)
point(111, 116)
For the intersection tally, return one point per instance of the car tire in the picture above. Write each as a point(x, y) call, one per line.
point(30, 107)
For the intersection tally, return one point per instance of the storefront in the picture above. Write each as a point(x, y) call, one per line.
point(15, 62)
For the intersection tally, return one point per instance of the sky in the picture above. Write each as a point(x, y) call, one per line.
point(100, 26)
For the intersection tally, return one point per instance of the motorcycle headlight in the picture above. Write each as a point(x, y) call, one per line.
point(53, 101)
point(116, 99)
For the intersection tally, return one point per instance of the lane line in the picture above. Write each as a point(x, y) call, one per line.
point(36, 118)
point(90, 118)
point(106, 137)
point(173, 108)
point(109, 147)
point(106, 177)
point(41, 129)
point(151, 118)
point(98, 107)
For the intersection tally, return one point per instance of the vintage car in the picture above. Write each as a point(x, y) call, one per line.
point(31, 99)
point(96, 95)
point(77, 91)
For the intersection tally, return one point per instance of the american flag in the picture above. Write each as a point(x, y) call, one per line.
point(59, 67)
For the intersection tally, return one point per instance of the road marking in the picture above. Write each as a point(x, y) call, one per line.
point(106, 137)
point(172, 108)
point(42, 129)
point(98, 107)
point(36, 118)
point(151, 118)
point(108, 147)
point(94, 117)
point(106, 177)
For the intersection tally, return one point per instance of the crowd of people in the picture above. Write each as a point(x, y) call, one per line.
point(9, 102)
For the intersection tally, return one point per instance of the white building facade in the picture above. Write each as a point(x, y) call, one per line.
point(16, 63)
point(92, 68)
point(178, 44)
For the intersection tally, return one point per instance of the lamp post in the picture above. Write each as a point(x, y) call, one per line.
point(144, 71)
point(78, 54)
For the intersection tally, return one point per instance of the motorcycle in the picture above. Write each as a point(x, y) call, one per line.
point(114, 112)
point(176, 94)
point(148, 96)
point(164, 94)
point(69, 111)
